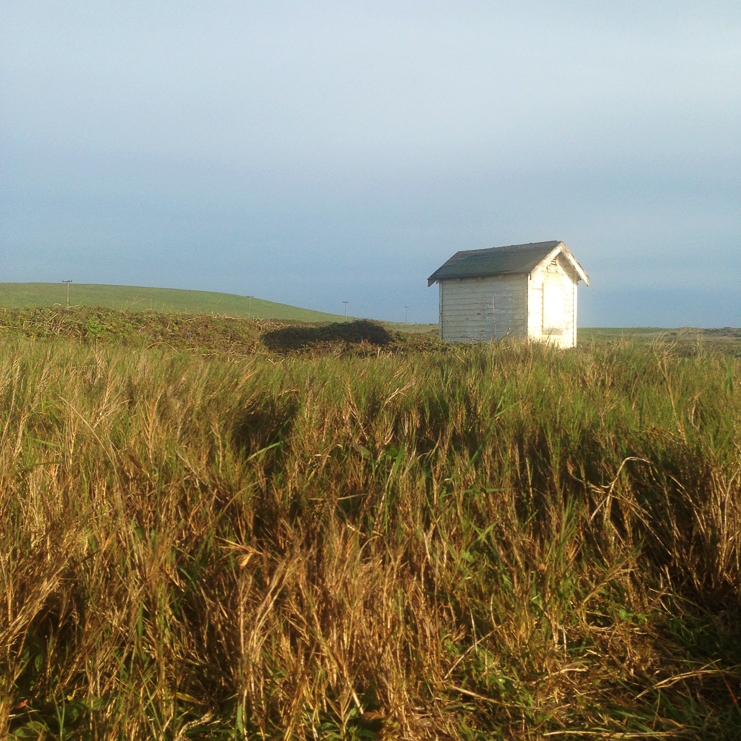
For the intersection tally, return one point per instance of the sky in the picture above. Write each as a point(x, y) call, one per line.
point(317, 152)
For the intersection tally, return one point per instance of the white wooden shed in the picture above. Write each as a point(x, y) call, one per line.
point(522, 290)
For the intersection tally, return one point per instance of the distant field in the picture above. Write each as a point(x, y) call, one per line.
point(724, 336)
point(412, 328)
point(135, 298)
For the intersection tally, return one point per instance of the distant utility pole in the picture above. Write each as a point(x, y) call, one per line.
point(346, 303)
point(67, 282)
point(249, 310)
point(406, 310)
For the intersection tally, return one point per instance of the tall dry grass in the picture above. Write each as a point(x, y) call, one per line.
point(494, 542)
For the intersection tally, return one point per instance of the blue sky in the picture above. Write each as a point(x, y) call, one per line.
point(316, 152)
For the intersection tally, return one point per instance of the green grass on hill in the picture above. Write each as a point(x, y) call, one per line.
point(170, 300)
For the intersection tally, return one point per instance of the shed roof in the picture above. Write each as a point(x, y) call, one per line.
point(514, 258)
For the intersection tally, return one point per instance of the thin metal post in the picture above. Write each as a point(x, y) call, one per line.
point(346, 303)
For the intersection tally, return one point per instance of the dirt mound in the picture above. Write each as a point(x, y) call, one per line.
point(352, 333)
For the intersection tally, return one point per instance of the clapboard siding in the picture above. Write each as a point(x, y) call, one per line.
point(483, 309)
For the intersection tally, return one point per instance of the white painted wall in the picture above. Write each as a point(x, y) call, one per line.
point(483, 309)
point(553, 287)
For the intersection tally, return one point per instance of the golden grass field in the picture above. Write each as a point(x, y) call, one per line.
point(364, 536)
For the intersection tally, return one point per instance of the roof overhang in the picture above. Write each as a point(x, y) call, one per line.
point(508, 260)
point(562, 249)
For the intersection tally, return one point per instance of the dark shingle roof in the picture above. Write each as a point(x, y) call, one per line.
point(515, 258)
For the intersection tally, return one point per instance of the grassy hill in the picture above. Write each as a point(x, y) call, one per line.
point(169, 300)
point(136, 298)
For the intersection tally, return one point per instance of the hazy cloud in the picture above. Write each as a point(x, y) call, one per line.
point(315, 152)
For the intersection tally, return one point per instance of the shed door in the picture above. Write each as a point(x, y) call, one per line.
point(554, 316)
